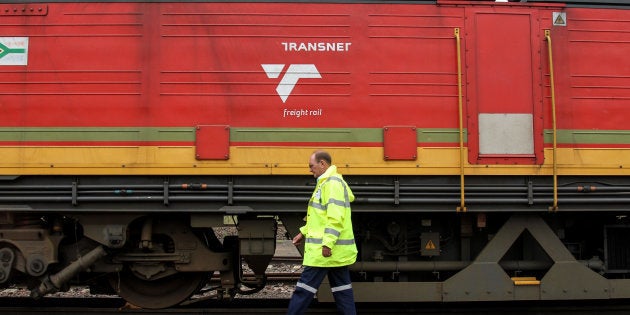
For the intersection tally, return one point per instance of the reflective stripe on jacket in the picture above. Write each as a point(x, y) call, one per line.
point(328, 223)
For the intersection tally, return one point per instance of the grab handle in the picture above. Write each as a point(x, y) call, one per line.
point(462, 205)
point(554, 207)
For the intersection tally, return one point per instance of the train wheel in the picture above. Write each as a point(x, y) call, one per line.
point(160, 293)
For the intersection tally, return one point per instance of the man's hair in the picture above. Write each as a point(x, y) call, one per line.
point(323, 155)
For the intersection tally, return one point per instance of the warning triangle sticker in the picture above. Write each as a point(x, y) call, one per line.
point(430, 245)
point(559, 20)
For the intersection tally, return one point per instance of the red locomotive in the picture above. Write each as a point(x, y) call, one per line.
point(486, 143)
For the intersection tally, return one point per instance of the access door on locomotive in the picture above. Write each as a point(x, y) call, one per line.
point(504, 56)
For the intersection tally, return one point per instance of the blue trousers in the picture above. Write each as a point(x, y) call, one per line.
point(308, 285)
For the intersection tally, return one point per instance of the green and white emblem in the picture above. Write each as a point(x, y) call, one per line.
point(13, 51)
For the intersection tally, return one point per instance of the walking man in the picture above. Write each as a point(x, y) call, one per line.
point(329, 240)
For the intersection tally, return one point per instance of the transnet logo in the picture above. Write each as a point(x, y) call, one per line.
point(290, 78)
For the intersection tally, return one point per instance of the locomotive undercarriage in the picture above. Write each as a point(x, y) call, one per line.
point(151, 240)
point(490, 257)
point(152, 261)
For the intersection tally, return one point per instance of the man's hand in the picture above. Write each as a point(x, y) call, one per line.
point(298, 239)
point(326, 252)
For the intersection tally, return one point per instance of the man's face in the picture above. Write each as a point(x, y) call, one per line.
point(316, 167)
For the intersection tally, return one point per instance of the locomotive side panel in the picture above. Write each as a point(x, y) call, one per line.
point(272, 73)
point(592, 76)
point(138, 82)
point(84, 68)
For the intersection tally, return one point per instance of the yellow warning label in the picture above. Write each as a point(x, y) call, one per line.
point(430, 245)
point(559, 20)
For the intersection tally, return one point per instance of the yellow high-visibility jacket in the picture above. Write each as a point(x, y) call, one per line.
point(328, 223)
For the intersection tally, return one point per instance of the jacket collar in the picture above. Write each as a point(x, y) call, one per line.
point(329, 172)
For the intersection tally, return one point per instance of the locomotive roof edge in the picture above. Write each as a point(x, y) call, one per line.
point(611, 4)
point(233, 1)
point(588, 3)
point(582, 2)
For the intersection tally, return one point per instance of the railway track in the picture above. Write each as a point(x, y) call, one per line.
point(207, 303)
point(277, 275)
point(100, 306)
point(285, 269)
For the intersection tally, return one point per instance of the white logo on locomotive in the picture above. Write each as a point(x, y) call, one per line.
point(290, 78)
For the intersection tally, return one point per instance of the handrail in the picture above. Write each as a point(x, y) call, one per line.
point(554, 207)
point(462, 205)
